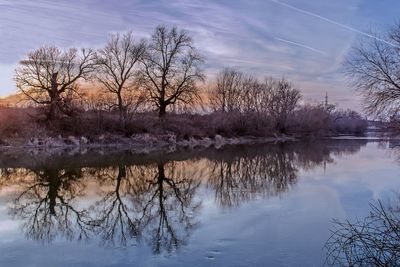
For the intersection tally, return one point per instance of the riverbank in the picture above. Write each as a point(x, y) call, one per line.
point(72, 151)
point(150, 143)
point(138, 144)
point(145, 132)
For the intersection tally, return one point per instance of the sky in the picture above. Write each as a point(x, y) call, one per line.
point(304, 41)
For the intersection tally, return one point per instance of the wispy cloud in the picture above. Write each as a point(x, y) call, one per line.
point(273, 38)
point(333, 22)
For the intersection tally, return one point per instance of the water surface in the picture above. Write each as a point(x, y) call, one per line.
point(238, 206)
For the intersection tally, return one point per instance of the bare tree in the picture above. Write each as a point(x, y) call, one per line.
point(274, 99)
point(348, 121)
point(50, 76)
point(374, 67)
point(372, 241)
point(280, 100)
point(116, 64)
point(225, 95)
point(171, 69)
point(251, 95)
point(236, 91)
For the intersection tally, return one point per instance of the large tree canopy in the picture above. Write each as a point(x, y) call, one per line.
point(171, 68)
point(49, 76)
point(374, 67)
point(116, 69)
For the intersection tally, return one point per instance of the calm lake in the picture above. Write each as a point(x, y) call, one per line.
point(264, 205)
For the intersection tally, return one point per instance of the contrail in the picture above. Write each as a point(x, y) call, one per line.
point(332, 22)
point(301, 45)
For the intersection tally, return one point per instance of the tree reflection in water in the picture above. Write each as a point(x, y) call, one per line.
point(237, 179)
point(112, 212)
point(373, 240)
point(156, 202)
point(44, 203)
point(241, 177)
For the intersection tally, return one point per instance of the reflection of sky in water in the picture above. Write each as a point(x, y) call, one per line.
point(288, 229)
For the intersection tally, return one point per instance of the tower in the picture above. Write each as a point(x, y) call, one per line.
point(326, 100)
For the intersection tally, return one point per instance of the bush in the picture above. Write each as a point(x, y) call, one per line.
point(310, 120)
point(305, 120)
point(348, 122)
point(18, 122)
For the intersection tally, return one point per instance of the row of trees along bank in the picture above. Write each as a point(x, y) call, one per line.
point(164, 72)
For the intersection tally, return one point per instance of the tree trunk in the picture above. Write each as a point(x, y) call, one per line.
point(53, 97)
point(52, 114)
point(121, 109)
point(281, 127)
point(53, 187)
point(162, 111)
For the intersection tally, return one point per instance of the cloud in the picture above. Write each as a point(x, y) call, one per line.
point(264, 38)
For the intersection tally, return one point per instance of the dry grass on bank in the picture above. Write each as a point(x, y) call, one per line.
point(306, 121)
